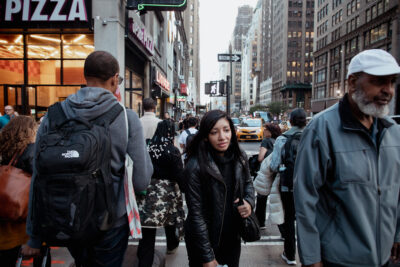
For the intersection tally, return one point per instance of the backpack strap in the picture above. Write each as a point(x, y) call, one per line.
point(188, 132)
point(56, 115)
point(107, 118)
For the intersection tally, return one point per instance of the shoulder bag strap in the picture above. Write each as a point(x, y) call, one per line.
point(56, 115)
point(107, 118)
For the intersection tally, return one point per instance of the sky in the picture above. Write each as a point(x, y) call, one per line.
point(217, 20)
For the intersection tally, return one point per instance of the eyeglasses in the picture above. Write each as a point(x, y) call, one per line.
point(8, 109)
point(120, 80)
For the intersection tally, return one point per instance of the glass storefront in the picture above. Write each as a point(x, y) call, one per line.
point(133, 91)
point(38, 69)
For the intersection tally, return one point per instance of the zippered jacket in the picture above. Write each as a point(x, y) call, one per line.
point(205, 196)
point(347, 189)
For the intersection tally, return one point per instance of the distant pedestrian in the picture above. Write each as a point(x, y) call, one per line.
point(215, 169)
point(283, 158)
point(347, 172)
point(188, 133)
point(271, 132)
point(149, 119)
point(9, 114)
point(162, 206)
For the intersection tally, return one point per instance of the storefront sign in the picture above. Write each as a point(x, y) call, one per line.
point(162, 81)
point(183, 89)
point(138, 30)
point(43, 13)
point(177, 5)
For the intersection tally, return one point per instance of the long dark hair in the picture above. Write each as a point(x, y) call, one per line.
point(200, 147)
point(162, 142)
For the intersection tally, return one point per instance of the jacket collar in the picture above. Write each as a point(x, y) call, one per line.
point(349, 121)
point(149, 114)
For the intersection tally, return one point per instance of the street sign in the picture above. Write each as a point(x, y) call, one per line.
point(172, 5)
point(229, 57)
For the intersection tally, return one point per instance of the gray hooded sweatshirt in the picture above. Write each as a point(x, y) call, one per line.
point(89, 103)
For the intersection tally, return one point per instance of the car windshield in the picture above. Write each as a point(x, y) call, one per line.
point(235, 120)
point(251, 123)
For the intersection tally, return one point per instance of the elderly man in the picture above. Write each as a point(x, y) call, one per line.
point(347, 173)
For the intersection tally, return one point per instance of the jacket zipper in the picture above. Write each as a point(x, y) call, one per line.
point(379, 200)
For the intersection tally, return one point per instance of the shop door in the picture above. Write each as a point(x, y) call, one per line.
point(22, 98)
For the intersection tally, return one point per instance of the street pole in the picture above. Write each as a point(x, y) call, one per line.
point(229, 87)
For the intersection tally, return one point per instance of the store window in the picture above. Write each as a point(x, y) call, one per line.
point(133, 91)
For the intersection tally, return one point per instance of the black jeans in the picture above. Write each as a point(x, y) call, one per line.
point(146, 246)
point(289, 232)
point(261, 207)
point(109, 251)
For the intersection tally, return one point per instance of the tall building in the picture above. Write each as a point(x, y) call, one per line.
point(292, 49)
point(192, 28)
point(344, 28)
point(251, 66)
point(266, 40)
point(243, 21)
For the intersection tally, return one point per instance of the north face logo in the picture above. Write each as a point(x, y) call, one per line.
point(70, 154)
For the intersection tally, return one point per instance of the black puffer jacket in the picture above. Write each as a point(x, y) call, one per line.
point(205, 197)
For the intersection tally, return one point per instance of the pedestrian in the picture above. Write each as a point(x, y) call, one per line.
point(9, 114)
point(283, 158)
point(271, 132)
point(162, 206)
point(16, 138)
point(91, 103)
point(188, 133)
point(347, 172)
point(167, 116)
point(215, 169)
point(149, 119)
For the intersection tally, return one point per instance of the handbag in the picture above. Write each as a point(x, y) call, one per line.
point(135, 227)
point(14, 192)
point(249, 228)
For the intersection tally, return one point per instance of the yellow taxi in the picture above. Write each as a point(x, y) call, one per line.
point(250, 129)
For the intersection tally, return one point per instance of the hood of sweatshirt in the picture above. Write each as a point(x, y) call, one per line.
point(89, 103)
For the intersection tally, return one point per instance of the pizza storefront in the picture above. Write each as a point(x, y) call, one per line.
point(43, 46)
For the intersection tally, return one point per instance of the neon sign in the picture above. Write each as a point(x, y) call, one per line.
point(179, 5)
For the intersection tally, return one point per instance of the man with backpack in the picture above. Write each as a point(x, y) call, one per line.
point(188, 134)
point(77, 195)
point(282, 160)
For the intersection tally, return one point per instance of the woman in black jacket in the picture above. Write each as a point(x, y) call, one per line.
point(163, 205)
point(215, 167)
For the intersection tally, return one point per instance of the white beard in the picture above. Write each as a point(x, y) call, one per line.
point(369, 108)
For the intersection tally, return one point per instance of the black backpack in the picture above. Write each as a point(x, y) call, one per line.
point(73, 192)
point(189, 137)
point(289, 153)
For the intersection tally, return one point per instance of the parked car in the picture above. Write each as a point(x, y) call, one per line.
point(250, 129)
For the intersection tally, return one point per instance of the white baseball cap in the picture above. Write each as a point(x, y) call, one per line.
point(376, 62)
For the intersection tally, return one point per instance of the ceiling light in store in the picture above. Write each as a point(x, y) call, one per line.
point(81, 54)
point(80, 37)
point(30, 53)
point(54, 53)
point(10, 47)
point(18, 40)
point(45, 38)
point(3, 42)
point(68, 52)
point(89, 46)
point(48, 48)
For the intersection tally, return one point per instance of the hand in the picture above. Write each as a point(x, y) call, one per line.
point(29, 252)
point(245, 209)
point(318, 264)
point(213, 263)
point(395, 253)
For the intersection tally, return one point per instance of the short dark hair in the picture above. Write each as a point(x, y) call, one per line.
point(274, 129)
point(192, 121)
point(101, 65)
point(298, 117)
point(148, 104)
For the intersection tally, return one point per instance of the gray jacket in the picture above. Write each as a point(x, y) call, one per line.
point(347, 190)
point(89, 103)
